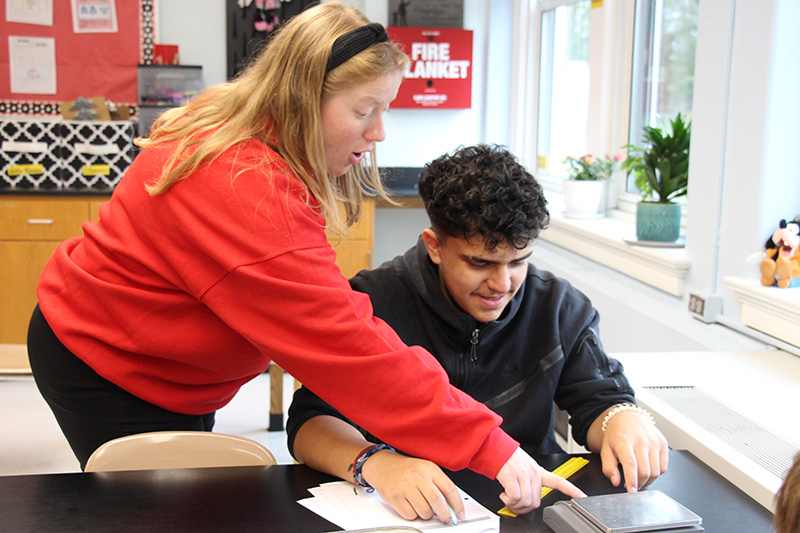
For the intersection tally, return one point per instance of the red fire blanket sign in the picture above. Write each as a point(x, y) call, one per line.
point(440, 73)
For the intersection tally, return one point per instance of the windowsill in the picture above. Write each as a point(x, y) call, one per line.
point(770, 310)
point(604, 240)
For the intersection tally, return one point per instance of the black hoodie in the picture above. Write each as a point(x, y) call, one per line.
point(544, 348)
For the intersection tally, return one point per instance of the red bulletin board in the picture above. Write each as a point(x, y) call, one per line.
point(87, 64)
point(440, 74)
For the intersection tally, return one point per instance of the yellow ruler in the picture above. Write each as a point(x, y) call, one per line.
point(565, 471)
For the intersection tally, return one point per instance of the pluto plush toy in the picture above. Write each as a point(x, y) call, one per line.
point(781, 266)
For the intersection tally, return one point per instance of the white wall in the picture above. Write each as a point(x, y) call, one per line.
point(416, 136)
point(744, 175)
point(198, 28)
point(397, 230)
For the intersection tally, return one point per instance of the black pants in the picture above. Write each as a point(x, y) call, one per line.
point(90, 409)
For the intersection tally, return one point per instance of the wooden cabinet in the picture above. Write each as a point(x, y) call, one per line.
point(354, 251)
point(31, 227)
point(30, 230)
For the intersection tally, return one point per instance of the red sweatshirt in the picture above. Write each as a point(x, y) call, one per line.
point(183, 297)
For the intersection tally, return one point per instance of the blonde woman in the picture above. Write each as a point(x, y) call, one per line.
point(210, 260)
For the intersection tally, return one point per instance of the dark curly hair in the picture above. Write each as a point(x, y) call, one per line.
point(483, 191)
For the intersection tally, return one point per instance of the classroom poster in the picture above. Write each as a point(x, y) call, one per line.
point(94, 16)
point(440, 73)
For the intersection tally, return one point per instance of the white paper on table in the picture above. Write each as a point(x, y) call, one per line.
point(337, 503)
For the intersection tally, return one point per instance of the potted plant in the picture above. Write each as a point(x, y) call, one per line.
point(661, 171)
point(584, 190)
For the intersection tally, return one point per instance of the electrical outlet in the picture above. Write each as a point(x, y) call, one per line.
point(705, 307)
point(696, 304)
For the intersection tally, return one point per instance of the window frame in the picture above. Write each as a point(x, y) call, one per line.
point(742, 91)
point(611, 50)
point(611, 39)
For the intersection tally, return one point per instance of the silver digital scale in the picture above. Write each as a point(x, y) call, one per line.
point(632, 512)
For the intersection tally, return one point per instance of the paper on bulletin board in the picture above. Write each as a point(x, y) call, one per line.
point(86, 63)
point(32, 64)
point(94, 16)
point(30, 11)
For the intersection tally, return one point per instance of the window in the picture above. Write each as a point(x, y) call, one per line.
point(662, 75)
point(577, 100)
point(604, 72)
point(563, 107)
point(745, 92)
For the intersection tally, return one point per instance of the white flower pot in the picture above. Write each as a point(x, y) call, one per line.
point(584, 199)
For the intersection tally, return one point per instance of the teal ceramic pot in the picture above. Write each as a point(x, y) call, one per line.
point(658, 222)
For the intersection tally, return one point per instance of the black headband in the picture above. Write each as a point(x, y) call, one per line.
point(354, 42)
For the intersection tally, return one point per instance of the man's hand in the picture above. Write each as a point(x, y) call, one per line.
point(413, 487)
point(632, 441)
point(522, 479)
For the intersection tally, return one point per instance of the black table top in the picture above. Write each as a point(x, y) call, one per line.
point(265, 499)
point(723, 507)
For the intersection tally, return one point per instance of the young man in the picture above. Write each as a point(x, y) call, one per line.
point(512, 336)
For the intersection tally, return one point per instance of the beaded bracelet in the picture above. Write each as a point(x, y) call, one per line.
point(626, 407)
point(359, 461)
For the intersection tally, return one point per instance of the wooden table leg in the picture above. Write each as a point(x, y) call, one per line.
point(275, 398)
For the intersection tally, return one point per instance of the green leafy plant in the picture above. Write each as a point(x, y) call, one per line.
point(590, 168)
point(661, 169)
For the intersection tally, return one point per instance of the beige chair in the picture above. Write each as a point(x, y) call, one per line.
point(14, 359)
point(177, 449)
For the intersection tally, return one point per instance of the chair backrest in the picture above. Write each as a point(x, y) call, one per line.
point(177, 449)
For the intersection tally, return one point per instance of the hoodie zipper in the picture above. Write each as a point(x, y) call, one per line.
point(473, 349)
point(467, 358)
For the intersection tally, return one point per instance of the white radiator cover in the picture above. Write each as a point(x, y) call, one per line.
point(748, 455)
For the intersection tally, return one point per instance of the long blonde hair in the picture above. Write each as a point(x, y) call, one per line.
point(277, 100)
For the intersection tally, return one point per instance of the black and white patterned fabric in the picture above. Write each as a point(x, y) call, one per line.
point(29, 155)
point(95, 155)
point(39, 155)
